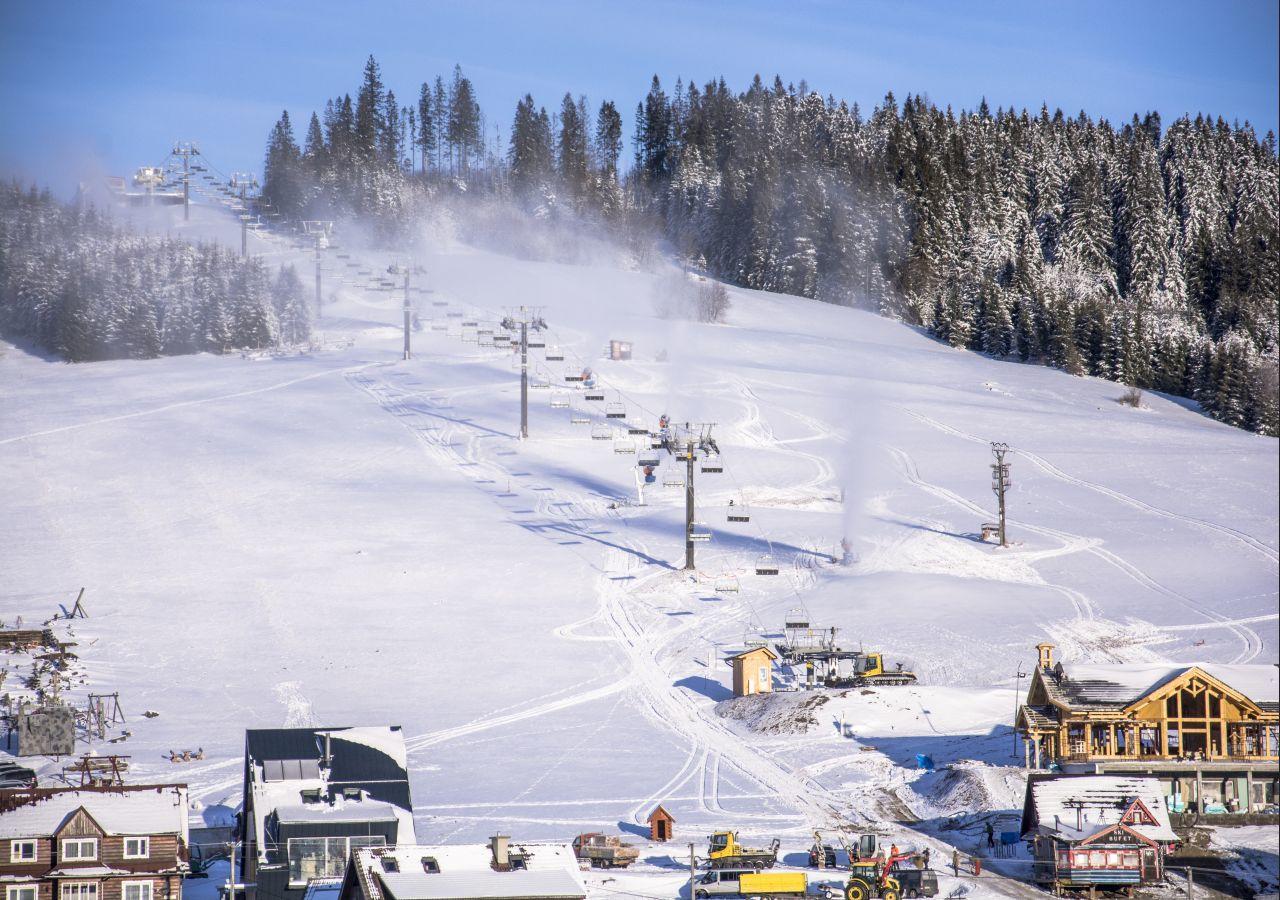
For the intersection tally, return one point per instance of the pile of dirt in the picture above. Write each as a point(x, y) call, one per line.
point(774, 713)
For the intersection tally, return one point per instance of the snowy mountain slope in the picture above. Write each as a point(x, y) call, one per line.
point(346, 537)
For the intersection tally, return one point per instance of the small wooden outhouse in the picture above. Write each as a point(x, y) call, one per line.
point(752, 671)
point(661, 825)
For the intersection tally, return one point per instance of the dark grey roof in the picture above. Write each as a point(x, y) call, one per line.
point(1041, 716)
point(353, 765)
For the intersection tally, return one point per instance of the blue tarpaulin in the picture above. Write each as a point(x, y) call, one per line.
point(924, 761)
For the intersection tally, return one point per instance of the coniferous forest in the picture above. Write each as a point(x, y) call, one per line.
point(1143, 252)
point(85, 288)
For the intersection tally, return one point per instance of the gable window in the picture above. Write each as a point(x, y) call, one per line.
point(79, 849)
point(321, 857)
point(21, 892)
point(22, 851)
point(137, 847)
point(429, 865)
point(135, 890)
point(79, 890)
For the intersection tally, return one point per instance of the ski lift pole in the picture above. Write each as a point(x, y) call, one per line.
point(407, 311)
point(524, 378)
point(688, 507)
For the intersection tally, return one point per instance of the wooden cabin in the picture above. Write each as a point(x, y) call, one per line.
point(94, 843)
point(1211, 732)
point(661, 825)
point(1090, 832)
point(752, 671)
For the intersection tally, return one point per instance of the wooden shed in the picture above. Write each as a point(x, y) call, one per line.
point(661, 825)
point(752, 671)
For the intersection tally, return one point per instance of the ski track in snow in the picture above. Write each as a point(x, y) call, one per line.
point(1252, 644)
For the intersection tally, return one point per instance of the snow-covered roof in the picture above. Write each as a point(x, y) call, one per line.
point(465, 870)
point(341, 810)
point(1122, 684)
point(1075, 807)
point(160, 810)
point(386, 739)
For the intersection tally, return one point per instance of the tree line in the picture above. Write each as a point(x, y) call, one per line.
point(1138, 253)
point(82, 286)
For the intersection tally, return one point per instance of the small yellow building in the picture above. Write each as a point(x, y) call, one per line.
point(752, 671)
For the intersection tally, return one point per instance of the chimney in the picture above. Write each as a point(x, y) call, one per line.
point(499, 844)
point(1046, 655)
point(1080, 817)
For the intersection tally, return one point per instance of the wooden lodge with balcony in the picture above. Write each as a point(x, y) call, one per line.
point(1209, 733)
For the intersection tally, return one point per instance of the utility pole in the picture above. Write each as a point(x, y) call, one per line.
point(318, 229)
point(524, 317)
point(693, 869)
point(186, 149)
point(244, 182)
point(1017, 681)
point(685, 446)
point(1000, 482)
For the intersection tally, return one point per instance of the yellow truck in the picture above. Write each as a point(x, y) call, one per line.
point(749, 883)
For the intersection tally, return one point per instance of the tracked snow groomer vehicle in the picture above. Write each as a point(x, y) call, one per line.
point(726, 853)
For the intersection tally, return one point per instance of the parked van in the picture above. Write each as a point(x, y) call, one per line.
point(749, 883)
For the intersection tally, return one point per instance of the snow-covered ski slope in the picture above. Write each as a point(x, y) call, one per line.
point(345, 537)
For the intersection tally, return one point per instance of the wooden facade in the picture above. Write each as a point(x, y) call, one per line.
point(752, 671)
point(37, 863)
point(1191, 716)
point(661, 825)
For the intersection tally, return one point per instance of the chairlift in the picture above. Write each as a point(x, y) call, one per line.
point(699, 532)
point(595, 397)
point(484, 340)
point(439, 326)
point(624, 445)
point(648, 461)
point(501, 339)
point(738, 513)
point(554, 354)
point(454, 314)
point(439, 302)
point(615, 411)
point(601, 432)
point(536, 345)
point(572, 378)
point(470, 324)
point(559, 401)
point(712, 465)
point(540, 384)
point(727, 584)
point(673, 481)
point(577, 417)
point(766, 565)
point(637, 431)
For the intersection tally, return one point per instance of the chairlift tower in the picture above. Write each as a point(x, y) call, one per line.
point(244, 182)
point(685, 444)
point(1000, 482)
point(407, 270)
point(320, 230)
point(524, 317)
point(186, 150)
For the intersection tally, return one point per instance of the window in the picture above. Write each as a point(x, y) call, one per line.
point(80, 848)
point(137, 848)
point(429, 865)
point(79, 890)
point(1097, 859)
point(22, 851)
point(324, 857)
point(1113, 859)
point(21, 892)
point(135, 890)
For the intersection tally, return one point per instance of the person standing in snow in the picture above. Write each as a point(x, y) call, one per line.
point(991, 835)
point(955, 861)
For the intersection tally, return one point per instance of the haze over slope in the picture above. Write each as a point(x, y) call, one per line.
point(346, 537)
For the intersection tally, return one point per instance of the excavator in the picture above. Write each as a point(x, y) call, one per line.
point(873, 874)
point(725, 852)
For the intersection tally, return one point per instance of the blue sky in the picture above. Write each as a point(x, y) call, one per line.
point(93, 88)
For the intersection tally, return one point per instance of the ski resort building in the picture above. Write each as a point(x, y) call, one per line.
point(94, 843)
point(499, 870)
point(1096, 831)
point(311, 797)
point(1209, 733)
point(752, 671)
